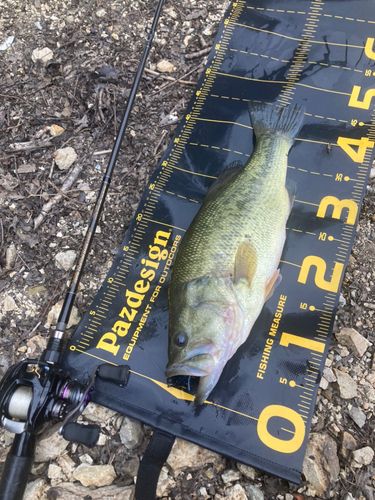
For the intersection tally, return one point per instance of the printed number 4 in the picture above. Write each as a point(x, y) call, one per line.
point(363, 144)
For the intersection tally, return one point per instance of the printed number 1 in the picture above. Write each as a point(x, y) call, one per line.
point(287, 339)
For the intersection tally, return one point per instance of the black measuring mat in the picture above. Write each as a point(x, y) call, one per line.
point(320, 55)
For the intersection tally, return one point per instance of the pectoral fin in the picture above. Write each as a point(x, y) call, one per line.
point(246, 262)
point(272, 284)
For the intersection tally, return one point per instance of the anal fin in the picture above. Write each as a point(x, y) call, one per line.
point(291, 187)
point(272, 284)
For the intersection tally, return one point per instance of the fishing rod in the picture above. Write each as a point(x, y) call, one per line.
point(36, 392)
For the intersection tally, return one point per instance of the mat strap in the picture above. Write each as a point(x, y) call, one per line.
point(155, 456)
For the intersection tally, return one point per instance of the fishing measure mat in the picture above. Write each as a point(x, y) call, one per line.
point(321, 55)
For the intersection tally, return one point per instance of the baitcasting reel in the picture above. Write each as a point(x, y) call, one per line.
point(34, 393)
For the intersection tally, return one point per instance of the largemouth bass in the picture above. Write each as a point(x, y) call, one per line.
point(227, 265)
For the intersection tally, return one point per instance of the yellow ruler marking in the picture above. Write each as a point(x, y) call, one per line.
point(290, 263)
point(168, 225)
point(283, 83)
point(179, 394)
point(195, 173)
point(223, 121)
point(299, 39)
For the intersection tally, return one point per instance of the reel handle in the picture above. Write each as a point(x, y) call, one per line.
point(17, 467)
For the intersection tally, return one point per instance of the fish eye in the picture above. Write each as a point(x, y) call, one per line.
point(181, 340)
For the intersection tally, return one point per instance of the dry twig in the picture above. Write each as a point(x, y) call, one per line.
point(47, 207)
point(26, 146)
point(179, 80)
point(169, 78)
point(194, 55)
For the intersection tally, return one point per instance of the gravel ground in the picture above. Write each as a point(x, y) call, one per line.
point(72, 96)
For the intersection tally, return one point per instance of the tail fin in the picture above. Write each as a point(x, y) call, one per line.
point(269, 119)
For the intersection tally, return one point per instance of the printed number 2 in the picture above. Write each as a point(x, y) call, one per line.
point(321, 266)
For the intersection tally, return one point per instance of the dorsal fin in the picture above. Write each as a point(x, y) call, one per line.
point(246, 262)
point(230, 171)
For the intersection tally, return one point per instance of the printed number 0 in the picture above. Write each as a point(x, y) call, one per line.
point(281, 445)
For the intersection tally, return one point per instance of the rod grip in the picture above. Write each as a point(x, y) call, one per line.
point(17, 467)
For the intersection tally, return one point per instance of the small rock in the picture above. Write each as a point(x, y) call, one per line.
point(323, 384)
point(55, 472)
point(39, 469)
point(8, 42)
point(97, 414)
point(247, 471)
point(67, 111)
point(348, 444)
point(230, 475)
point(321, 464)
point(165, 66)
point(65, 260)
point(42, 56)
point(329, 375)
point(348, 496)
point(171, 12)
point(342, 301)
point(65, 157)
point(361, 457)
point(101, 13)
point(128, 469)
point(236, 492)
point(86, 459)
point(56, 130)
point(95, 475)
point(51, 445)
point(36, 345)
point(185, 454)
point(288, 496)
point(9, 304)
point(254, 493)
point(165, 483)
point(371, 378)
point(131, 433)
point(10, 256)
point(67, 466)
point(69, 491)
point(358, 416)
point(370, 392)
point(372, 173)
point(35, 490)
point(353, 340)
point(347, 386)
point(55, 311)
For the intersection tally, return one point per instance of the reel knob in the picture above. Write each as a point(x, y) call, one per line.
point(83, 434)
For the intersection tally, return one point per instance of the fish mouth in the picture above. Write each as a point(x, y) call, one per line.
point(191, 366)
